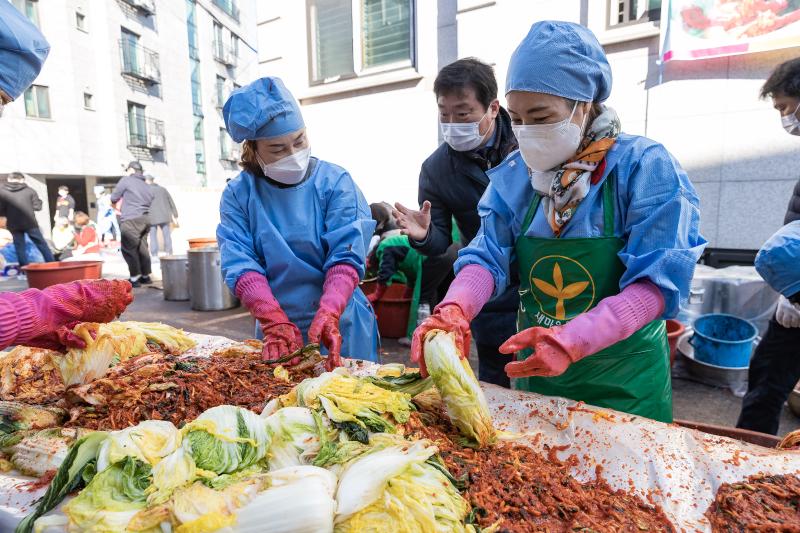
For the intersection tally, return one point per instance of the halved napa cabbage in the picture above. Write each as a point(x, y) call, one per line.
point(172, 340)
point(297, 433)
point(463, 397)
point(225, 439)
point(82, 366)
point(111, 499)
point(352, 403)
point(149, 441)
point(394, 489)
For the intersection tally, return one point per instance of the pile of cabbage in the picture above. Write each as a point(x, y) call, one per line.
point(328, 456)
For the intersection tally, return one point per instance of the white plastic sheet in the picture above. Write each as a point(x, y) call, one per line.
point(677, 468)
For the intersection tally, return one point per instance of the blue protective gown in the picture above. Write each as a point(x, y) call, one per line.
point(293, 235)
point(657, 214)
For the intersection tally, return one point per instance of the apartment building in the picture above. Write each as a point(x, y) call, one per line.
point(133, 79)
point(363, 71)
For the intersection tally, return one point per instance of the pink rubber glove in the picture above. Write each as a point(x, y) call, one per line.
point(614, 319)
point(340, 282)
point(467, 294)
point(44, 318)
point(281, 336)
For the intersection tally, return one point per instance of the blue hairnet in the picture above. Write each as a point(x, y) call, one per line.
point(778, 261)
point(23, 50)
point(263, 109)
point(560, 58)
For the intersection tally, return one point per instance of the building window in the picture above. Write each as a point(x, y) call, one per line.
point(354, 37)
point(220, 90)
point(87, 101)
point(37, 102)
point(229, 7)
point(29, 8)
point(80, 21)
point(130, 55)
point(137, 125)
point(219, 44)
point(622, 12)
point(234, 45)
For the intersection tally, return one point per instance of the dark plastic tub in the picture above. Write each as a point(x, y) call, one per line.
point(42, 275)
point(392, 311)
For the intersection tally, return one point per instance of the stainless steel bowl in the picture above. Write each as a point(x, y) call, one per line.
point(719, 376)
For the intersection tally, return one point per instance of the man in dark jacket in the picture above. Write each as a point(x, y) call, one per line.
point(18, 204)
point(162, 214)
point(775, 366)
point(477, 134)
point(136, 196)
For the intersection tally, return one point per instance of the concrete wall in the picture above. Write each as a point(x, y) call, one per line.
point(93, 143)
point(707, 113)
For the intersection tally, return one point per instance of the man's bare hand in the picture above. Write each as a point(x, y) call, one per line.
point(415, 224)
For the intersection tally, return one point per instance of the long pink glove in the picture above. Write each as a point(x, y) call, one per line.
point(614, 319)
point(467, 294)
point(340, 282)
point(44, 318)
point(281, 336)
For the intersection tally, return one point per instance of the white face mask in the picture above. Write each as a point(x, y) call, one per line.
point(463, 136)
point(545, 146)
point(791, 123)
point(289, 170)
point(62, 194)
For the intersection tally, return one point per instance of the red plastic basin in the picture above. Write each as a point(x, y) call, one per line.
point(674, 331)
point(41, 275)
point(392, 311)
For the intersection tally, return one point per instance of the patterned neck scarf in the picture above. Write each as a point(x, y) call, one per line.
point(563, 190)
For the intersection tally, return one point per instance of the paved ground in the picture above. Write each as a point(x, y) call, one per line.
point(692, 401)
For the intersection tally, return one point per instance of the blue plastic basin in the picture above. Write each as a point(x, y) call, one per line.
point(723, 340)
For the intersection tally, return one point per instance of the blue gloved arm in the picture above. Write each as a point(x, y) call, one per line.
point(493, 246)
point(348, 225)
point(662, 227)
point(237, 252)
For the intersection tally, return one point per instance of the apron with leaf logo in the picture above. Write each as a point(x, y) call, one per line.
point(561, 278)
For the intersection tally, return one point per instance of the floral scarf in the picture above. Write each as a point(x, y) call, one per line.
point(563, 190)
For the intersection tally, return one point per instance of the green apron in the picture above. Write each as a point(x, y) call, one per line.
point(562, 278)
point(410, 266)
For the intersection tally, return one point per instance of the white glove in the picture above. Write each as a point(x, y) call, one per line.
point(788, 314)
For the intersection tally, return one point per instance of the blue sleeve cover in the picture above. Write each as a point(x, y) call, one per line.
point(348, 225)
point(661, 227)
point(236, 245)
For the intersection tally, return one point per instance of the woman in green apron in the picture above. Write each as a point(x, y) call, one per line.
point(603, 228)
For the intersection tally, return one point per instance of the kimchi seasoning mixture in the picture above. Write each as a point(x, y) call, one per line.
point(175, 389)
point(760, 503)
point(520, 490)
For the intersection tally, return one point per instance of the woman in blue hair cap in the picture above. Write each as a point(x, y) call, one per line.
point(602, 226)
point(294, 232)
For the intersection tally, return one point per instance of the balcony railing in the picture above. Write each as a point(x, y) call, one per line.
point(145, 132)
point(233, 154)
point(139, 62)
point(229, 7)
point(224, 54)
point(148, 7)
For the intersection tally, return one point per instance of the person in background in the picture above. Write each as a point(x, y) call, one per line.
point(136, 196)
point(65, 205)
point(294, 232)
point(477, 137)
point(19, 203)
point(775, 366)
point(63, 238)
point(107, 223)
point(163, 214)
point(86, 243)
point(602, 227)
point(9, 252)
point(43, 317)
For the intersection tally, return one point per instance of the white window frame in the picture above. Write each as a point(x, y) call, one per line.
point(35, 89)
point(79, 16)
point(612, 13)
point(22, 4)
point(358, 63)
